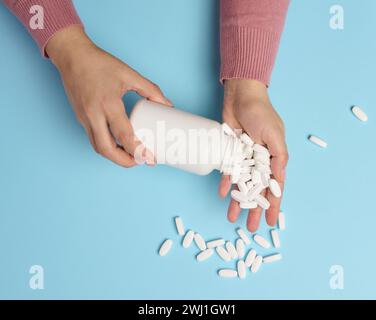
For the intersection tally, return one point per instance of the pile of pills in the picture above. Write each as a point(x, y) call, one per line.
point(248, 165)
point(240, 250)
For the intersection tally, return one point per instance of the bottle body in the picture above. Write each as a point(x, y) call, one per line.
point(180, 139)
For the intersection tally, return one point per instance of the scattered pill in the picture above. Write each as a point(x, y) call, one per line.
point(227, 273)
point(200, 242)
point(203, 255)
point(359, 113)
point(318, 141)
point(223, 253)
point(275, 238)
point(272, 258)
point(243, 236)
point(188, 238)
point(241, 269)
point(281, 221)
point(165, 247)
point(256, 264)
point(250, 258)
point(215, 243)
point(261, 241)
point(231, 250)
point(275, 188)
point(240, 248)
point(179, 226)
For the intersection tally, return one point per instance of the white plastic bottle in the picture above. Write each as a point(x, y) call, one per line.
point(181, 139)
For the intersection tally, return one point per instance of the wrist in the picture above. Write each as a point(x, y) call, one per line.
point(245, 89)
point(67, 44)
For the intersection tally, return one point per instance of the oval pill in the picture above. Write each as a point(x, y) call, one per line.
point(242, 187)
point(359, 113)
point(231, 250)
point(165, 247)
point(240, 248)
point(241, 269)
point(275, 238)
point(203, 255)
point(227, 273)
point(200, 242)
point(256, 264)
point(261, 149)
point(248, 205)
point(281, 221)
point(272, 258)
point(179, 226)
point(227, 130)
point(215, 243)
point(239, 196)
point(262, 202)
point(316, 140)
point(275, 188)
point(223, 254)
point(188, 238)
point(243, 235)
point(250, 258)
point(261, 241)
point(245, 138)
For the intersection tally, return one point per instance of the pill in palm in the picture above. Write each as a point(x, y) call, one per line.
point(250, 258)
point(241, 269)
point(243, 236)
point(165, 247)
point(275, 188)
point(272, 258)
point(188, 238)
point(240, 248)
point(248, 205)
point(215, 243)
point(231, 250)
point(227, 273)
point(246, 139)
point(256, 264)
point(223, 253)
point(200, 242)
point(179, 226)
point(242, 187)
point(203, 255)
point(318, 141)
point(275, 238)
point(261, 149)
point(261, 241)
point(359, 113)
point(262, 202)
point(239, 196)
point(227, 129)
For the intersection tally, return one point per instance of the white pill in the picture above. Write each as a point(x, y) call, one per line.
point(246, 139)
point(248, 152)
point(241, 269)
point(256, 176)
point(239, 196)
point(240, 248)
point(245, 177)
point(227, 273)
point(263, 158)
point(256, 264)
point(215, 243)
point(203, 255)
point(242, 187)
point(223, 253)
point(243, 235)
point(248, 163)
point(179, 226)
point(359, 113)
point(263, 168)
point(235, 178)
point(259, 148)
point(249, 185)
point(272, 258)
point(265, 177)
point(261, 241)
point(262, 202)
point(316, 140)
point(254, 191)
point(245, 170)
point(227, 130)
point(250, 258)
point(165, 247)
point(275, 188)
point(188, 238)
point(281, 221)
point(248, 205)
point(275, 238)
point(200, 242)
point(231, 250)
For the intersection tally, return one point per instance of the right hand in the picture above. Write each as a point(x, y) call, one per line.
point(95, 83)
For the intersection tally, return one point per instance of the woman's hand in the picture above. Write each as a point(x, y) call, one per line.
point(95, 83)
point(247, 106)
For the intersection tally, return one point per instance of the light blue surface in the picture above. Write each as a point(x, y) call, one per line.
point(95, 227)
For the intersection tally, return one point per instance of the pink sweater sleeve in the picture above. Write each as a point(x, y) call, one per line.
point(56, 15)
point(250, 34)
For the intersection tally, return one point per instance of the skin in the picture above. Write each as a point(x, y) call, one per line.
point(247, 106)
point(95, 83)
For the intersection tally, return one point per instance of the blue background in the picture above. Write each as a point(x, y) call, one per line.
point(96, 228)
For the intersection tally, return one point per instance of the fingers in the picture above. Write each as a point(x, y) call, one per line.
point(253, 220)
point(105, 144)
point(151, 91)
point(274, 209)
point(234, 211)
point(122, 130)
point(224, 186)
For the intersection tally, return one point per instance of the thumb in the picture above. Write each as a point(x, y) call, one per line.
point(151, 91)
point(278, 151)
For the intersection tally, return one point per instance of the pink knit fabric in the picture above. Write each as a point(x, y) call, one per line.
point(58, 14)
point(250, 34)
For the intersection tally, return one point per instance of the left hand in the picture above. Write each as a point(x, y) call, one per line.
point(247, 106)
